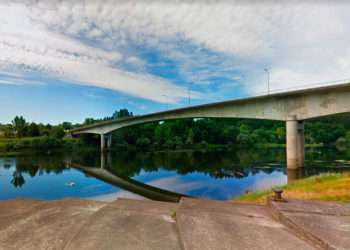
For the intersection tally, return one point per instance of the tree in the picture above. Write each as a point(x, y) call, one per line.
point(89, 121)
point(190, 137)
point(17, 180)
point(143, 142)
point(230, 134)
point(122, 113)
point(57, 132)
point(33, 130)
point(19, 124)
point(8, 131)
point(280, 133)
point(67, 125)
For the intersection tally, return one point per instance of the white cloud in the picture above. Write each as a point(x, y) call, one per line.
point(25, 43)
point(300, 42)
point(16, 81)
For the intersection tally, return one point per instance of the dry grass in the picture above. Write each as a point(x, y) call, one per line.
point(325, 187)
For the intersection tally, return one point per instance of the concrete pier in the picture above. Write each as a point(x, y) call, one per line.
point(106, 142)
point(109, 141)
point(103, 142)
point(294, 174)
point(295, 143)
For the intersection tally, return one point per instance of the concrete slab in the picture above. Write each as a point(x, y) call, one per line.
point(318, 207)
point(14, 210)
point(48, 225)
point(224, 225)
point(146, 206)
point(325, 223)
point(118, 227)
point(333, 230)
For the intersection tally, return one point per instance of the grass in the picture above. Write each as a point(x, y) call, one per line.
point(324, 187)
point(173, 214)
point(13, 145)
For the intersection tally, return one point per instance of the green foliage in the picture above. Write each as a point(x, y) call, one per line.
point(322, 132)
point(57, 132)
point(33, 130)
point(67, 125)
point(190, 137)
point(185, 133)
point(143, 142)
point(19, 124)
point(89, 121)
point(22, 135)
point(121, 113)
point(39, 143)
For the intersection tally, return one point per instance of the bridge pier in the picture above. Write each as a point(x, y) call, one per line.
point(106, 138)
point(295, 143)
point(109, 141)
point(103, 142)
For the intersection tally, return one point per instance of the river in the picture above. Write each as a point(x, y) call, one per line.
point(217, 175)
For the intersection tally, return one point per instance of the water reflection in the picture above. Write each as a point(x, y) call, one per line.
point(161, 176)
point(128, 184)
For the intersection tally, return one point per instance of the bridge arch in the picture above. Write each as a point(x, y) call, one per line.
point(292, 107)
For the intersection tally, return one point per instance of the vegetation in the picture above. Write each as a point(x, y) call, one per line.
point(22, 135)
point(324, 187)
point(213, 133)
point(176, 134)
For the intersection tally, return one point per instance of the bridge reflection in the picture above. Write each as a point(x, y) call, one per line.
point(120, 169)
point(128, 184)
point(107, 173)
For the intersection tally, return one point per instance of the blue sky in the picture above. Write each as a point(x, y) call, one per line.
point(68, 60)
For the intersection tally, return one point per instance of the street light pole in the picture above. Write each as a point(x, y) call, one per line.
point(268, 80)
point(189, 94)
point(166, 98)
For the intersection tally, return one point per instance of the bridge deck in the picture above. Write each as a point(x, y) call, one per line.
point(304, 103)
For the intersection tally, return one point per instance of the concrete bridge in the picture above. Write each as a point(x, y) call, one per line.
point(293, 107)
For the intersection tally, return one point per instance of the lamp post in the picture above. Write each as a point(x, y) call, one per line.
point(166, 98)
point(189, 93)
point(268, 80)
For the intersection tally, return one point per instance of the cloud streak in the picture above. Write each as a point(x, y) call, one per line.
point(29, 46)
point(215, 46)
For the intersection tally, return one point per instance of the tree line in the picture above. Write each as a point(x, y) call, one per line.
point(20, 128)
point(207, 132)
point(186, 133)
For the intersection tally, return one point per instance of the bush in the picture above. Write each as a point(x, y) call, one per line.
point(143, 142)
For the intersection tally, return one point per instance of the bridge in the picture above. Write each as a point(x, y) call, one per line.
point(293, 107)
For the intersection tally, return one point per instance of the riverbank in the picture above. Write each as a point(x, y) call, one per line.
point(12, 146)
point(323, 187)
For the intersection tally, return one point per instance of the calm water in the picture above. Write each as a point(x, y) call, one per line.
point(163, 176)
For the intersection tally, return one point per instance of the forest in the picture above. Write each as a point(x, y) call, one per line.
point(175, 134)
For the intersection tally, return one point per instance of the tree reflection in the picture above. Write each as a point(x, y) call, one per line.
point(17, 179)
point(237, 163)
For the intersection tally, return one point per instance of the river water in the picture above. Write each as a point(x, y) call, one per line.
point(162, 176)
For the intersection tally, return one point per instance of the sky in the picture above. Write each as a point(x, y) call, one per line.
point(68, 60)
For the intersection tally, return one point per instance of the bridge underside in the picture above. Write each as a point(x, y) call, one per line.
point(291, 107)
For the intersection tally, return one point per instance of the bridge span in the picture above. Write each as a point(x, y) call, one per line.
point(293, 107)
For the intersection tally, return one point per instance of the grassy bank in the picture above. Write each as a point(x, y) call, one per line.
point(8, 145)
point(324, 187)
